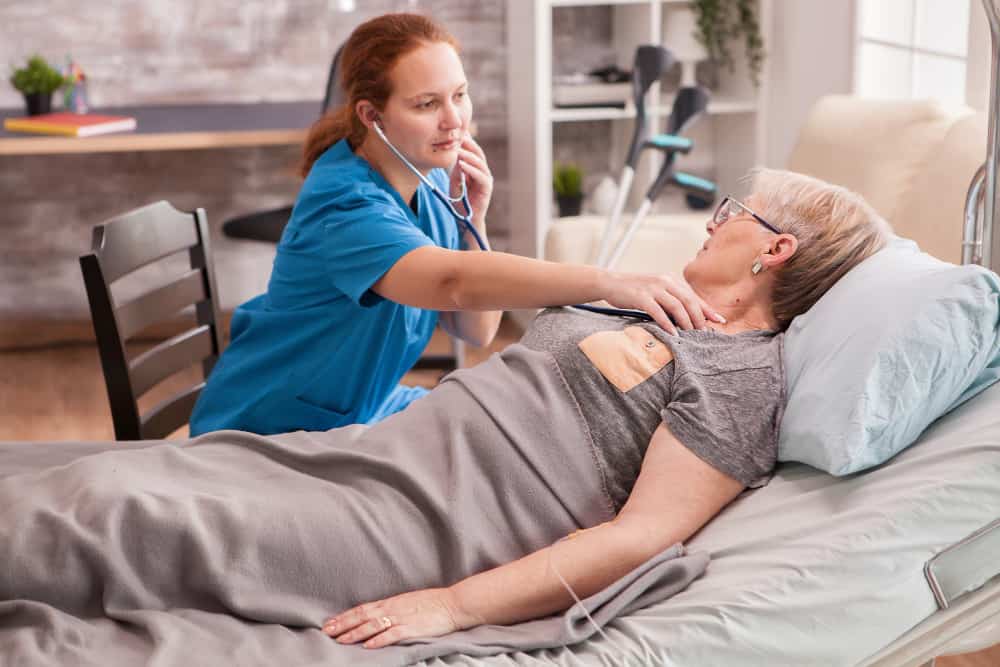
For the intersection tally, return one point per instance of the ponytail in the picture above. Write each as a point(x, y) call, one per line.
point(334, 125)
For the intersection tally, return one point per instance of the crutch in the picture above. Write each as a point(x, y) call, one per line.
point(650, 64)
point(690, 103)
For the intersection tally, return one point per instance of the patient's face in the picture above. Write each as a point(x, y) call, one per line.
point(429, 110)
point(729, 252)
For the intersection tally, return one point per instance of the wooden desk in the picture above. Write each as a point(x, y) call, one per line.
point(178, 127)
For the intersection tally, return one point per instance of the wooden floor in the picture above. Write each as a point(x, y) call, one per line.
point(56, 392)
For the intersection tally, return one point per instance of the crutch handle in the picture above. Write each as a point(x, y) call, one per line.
point(694, 185)
point(669, 143)
point(690, 184)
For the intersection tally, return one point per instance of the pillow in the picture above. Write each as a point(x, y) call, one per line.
point(897, 342)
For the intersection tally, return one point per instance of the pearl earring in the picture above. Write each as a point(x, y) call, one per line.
point(757, 266)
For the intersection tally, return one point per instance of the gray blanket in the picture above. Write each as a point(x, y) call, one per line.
point(233, 548)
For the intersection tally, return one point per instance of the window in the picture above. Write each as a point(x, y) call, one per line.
point(912, 49)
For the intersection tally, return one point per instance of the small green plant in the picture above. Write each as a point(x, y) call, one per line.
point(567, 180)
point(36, 77)
point(720, 22)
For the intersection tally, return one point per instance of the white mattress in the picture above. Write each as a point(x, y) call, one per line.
point(817, 570)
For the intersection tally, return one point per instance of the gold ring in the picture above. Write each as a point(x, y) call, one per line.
point(386, 622)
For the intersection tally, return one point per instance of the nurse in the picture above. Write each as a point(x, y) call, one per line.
point(370, 261)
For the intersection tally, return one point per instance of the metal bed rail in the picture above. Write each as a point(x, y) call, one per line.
point(980, 245)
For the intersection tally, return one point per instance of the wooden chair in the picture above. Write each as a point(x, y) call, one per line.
point(121, 246)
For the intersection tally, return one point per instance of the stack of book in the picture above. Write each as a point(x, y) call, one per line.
point(68, 124)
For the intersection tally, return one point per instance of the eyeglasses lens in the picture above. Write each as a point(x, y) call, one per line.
point(724, 212)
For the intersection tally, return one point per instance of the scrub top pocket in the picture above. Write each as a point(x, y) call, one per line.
point(628, 357)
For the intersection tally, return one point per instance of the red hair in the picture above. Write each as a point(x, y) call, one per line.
point(369, 54)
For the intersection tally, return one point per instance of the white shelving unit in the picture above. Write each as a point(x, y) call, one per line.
point(727, 143)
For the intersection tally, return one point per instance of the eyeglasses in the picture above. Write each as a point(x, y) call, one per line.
point(730, 208)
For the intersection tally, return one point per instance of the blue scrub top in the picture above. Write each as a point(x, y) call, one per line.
point(319, 349)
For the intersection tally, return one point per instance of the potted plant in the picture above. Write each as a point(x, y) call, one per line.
point(567, 181)
point(721, 21)
point(37, 81)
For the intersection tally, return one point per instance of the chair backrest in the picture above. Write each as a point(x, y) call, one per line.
point(872, 146)
point(120, 247)
point(334, 92)
point(933, 210)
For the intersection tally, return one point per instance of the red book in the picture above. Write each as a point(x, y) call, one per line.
point(70, 124)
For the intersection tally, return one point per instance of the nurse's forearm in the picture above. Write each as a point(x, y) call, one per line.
point(438, 279)
point(485, 281)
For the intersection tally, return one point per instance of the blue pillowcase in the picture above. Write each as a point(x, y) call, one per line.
point(897, 342)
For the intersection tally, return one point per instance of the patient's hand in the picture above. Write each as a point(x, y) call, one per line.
point(425, 613)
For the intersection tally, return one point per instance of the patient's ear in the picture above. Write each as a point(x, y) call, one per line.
point(782, 249)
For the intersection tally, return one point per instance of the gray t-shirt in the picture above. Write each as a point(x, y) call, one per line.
point(721, 395)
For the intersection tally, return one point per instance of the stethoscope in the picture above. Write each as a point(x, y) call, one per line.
point(466, 221)
point(449, 202)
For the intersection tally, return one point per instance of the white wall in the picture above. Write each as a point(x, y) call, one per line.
point(811, 55)
point(977, 72)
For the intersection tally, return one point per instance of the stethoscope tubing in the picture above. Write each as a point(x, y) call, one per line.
point(619, 312)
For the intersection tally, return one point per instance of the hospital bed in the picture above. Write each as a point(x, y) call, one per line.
point(890, 567)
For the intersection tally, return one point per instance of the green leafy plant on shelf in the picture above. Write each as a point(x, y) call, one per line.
point(567, 181)
point(37, 77)
point(720, 22)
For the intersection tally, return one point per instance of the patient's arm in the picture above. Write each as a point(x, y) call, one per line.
point(675, 495)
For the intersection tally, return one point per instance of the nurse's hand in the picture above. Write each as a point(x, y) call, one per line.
point(663, 297)
point(478, 179)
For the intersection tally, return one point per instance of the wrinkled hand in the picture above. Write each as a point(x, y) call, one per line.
point(663, 298)
point(426, 613)
point(478, 179)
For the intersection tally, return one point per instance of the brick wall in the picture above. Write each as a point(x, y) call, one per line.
point(155, 52)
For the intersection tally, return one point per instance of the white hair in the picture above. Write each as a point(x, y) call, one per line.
point(836, 229)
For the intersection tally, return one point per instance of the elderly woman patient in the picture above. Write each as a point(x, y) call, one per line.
point(440, 518)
